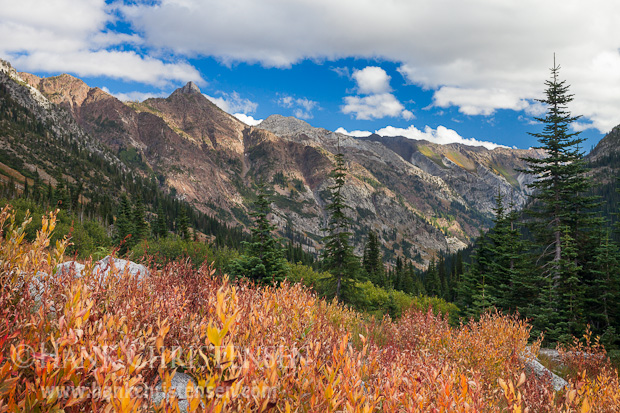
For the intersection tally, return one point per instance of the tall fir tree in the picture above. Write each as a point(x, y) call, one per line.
point(162, 223)
point(183, 224)
point(337, 254)
point(263, 257)
point(473, 291)
point(604, 295)
point(373, 261)
point(432, 283)
point(562, 215)
point(139, 221)
point(124, 226)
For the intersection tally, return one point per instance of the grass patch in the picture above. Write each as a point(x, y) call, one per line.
point(428, 152)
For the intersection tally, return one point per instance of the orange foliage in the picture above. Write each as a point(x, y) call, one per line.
point(87, 343)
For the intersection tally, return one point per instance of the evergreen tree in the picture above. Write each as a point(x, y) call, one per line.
point(183, 224)
point(141, 227)
point(604, 294)
point(162, 225)
point(409, 276)
point(432, 283)
point(337, 254)
point(562, 215)
point(263, 258)
point(373, 261)
point(472, 292)
point(61, 196)
point(124, 226)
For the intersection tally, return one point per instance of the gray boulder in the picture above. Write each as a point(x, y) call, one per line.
point(103, 267)
point(557, 382)
point(178, 387)
point(534, 366)
point(66, 268)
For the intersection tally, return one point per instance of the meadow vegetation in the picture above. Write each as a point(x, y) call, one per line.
point(72, 342)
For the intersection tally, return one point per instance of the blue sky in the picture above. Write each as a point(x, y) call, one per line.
point(443, 70)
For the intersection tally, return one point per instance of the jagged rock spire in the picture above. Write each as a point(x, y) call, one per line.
point(189, 88)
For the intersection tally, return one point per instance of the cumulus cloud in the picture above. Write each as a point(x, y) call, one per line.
point(248, 120)
point(372, 80)
point(478, 101)
point(115, 64)
point(378, 103)
point(302, 107)
point(355, 133)
point(441, 135)
point(71, 36)
point(233, 103)
point(134, 96)
point(375, 107)
point(501, 49)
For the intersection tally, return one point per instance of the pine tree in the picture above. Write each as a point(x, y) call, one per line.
point(263, 258)
point(139, 222)
point(562, 215)
point(124, 226)
point(432, 283)
point(337, 254)
point(604, 294)
point(473, 290)
point(183, 224)
point(162, 225)
point(373, 261)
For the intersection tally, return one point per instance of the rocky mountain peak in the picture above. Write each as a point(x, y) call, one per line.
point(282, 125)
point(190, 88)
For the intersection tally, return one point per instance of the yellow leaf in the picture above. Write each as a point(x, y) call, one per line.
point(521, 380)
point(214, 336)
point(585, 407)
point(502, 384)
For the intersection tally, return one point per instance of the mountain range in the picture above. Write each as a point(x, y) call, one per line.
point(419, 197)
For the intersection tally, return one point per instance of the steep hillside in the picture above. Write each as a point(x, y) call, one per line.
point(474, 172)
point(419, 197)
point(605, 163)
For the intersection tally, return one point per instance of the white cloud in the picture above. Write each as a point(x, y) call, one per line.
point(486, 46)
point(302, 107)
point(71, 36)
point(134, 96)
point(375, 83)
point(478, 101)
point(248, 120)
point(372, 80)
point(233, 103)
point(355, 133)
point(120, 65)
point(441, 135)
point(375, 107)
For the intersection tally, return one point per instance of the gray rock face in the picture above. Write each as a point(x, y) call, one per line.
point(189, 88)
point(54, 118)
point(102, 268)
point(67, 267)
point(535, 367)
point(178, 388)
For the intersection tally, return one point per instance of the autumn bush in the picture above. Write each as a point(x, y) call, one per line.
point(88, 342)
